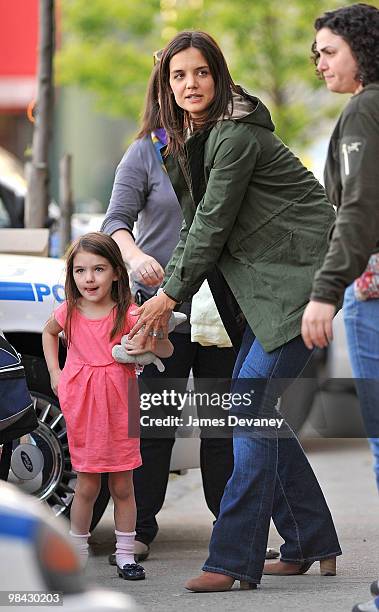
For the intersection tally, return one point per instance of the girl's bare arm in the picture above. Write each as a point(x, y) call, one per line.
point(50, 344)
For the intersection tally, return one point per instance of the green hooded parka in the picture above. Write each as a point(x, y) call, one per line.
point(256, 214)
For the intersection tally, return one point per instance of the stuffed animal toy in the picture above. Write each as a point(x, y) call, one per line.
point(120, 354)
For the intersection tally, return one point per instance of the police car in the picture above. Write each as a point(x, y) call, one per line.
point(30, 289)
point(38, 566)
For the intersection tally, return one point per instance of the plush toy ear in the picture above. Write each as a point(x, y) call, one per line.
point(120, 355)
point(158, 363)
point(124, 339)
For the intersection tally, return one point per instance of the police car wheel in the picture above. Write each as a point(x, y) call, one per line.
point(40, 462)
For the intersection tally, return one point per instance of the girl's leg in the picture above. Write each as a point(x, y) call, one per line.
point(122, 492)
point(86, 491)
point(121, 489)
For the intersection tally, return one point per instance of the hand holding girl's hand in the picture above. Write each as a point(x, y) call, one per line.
point(134, 346)
point(317, 324)
point(153, 317)
point(54, 379)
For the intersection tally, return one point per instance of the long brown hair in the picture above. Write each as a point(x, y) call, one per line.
point(175, 119)
point(151, 119)
point(103, 245)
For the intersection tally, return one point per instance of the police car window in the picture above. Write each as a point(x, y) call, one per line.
point(4, 217)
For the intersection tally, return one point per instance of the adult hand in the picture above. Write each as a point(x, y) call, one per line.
point(134, 346)
point(317, 324)
point(146, 270)
point(153, 317)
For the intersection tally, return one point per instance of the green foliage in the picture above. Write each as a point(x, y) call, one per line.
point(108, 47)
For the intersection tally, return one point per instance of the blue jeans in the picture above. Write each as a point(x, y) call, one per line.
point(362, 332)
point(271, 476)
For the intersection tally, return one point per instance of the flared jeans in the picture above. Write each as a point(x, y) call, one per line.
point(272, 476)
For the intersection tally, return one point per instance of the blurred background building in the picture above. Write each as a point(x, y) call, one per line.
point(95, 141)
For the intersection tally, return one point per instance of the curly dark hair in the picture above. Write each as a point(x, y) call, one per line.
point(358, 25)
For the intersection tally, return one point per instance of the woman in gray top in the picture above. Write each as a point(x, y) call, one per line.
point(144, 218)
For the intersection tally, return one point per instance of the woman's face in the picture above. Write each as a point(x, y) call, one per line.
point(336, 62)
point(191, 82)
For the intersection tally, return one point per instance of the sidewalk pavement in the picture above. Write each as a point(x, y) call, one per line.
point(345, 474)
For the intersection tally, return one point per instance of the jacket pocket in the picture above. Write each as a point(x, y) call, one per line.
point(283, 275)
point(265, 252)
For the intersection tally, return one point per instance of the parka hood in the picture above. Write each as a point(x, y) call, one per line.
point(249, 109)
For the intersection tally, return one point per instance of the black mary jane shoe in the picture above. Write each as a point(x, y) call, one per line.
point(131, 571)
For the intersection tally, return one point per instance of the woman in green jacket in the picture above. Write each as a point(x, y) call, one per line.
point(256, 220)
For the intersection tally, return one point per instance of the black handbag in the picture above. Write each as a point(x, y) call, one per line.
point(17, 415)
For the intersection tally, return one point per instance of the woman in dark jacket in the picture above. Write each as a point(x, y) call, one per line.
point(347, 58)
point(258, 220)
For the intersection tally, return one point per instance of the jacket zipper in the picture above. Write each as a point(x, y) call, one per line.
point(187, 178)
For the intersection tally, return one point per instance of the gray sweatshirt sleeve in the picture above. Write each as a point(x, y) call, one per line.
point(129, 191)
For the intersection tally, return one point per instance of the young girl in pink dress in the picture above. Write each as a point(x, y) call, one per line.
point(93, 389)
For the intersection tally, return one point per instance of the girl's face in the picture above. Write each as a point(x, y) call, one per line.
point(191, 82)
point(336, 63)
point(93, 276)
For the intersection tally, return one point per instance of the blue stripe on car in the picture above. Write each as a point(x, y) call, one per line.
point(17, 291)
point(17, 526)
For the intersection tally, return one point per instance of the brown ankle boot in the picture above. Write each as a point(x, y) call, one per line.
point(210, 582)
point(280, 568)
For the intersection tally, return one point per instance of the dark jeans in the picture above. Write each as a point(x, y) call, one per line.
point(216, 454)
point(271, 476)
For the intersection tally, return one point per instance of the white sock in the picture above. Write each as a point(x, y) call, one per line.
point(124, 547)
point(80, 542)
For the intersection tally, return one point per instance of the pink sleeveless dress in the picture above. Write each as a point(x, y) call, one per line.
point(93, 393)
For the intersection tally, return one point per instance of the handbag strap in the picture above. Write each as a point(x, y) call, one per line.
point(159, 140)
